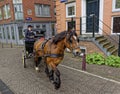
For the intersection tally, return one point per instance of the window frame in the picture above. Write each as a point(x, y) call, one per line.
point(112, 25)
point(114, 9)
point(19, 8)
point(70, 5)
point(39, 12)
point(6, 9)
point(1, 18)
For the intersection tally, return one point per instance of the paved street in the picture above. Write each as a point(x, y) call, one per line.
point(97, 79)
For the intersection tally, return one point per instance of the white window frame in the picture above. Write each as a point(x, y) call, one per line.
point(70, 5)
point(17, 1)
point(42, 12)
point(113, 7)
point(1, 18)
point(112, 26)
point(6, 9)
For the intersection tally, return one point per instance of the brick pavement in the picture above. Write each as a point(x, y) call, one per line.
point(28, 81)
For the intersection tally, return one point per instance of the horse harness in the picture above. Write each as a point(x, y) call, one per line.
point(49, 54)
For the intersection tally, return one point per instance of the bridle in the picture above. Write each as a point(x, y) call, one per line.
point(70, 41)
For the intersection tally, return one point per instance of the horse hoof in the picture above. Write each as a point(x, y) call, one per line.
point(37, 69)
point(52, 81)
point(57, 86)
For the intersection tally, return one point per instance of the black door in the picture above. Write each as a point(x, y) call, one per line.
point(92, 8)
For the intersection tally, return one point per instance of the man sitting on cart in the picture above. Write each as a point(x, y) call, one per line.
point(29, 39)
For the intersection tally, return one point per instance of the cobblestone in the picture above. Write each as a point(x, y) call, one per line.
point(28, 81)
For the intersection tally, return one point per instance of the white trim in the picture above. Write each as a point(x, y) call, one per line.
point(113, 7)
point(83, 7)
point(69, 5)
point(101, 4)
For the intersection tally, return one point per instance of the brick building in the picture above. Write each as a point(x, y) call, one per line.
point(16, 15)
point(106, 11)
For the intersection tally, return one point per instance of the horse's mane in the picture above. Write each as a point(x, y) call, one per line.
point(59, 37)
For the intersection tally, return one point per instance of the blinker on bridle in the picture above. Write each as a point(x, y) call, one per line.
point(70, 40)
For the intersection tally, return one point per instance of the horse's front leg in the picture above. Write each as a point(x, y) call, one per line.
point(56, 76)
point(57, 80)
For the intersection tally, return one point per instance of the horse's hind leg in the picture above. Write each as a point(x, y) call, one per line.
point(36, 63)
point(47, 70)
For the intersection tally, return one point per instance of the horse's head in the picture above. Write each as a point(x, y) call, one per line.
point(72, 42)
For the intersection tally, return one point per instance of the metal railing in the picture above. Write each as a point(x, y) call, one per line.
point(106, 30)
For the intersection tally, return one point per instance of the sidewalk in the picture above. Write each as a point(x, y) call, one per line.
point(100, 70)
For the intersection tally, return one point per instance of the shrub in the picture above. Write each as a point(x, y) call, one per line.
point(113, 61)
point(97, 58)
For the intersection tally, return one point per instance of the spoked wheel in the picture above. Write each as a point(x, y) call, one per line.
point(23, 60)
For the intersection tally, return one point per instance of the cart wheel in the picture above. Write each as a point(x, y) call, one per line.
point(24, 63)
point(23, 60)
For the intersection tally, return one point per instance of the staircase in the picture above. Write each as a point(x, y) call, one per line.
point(106, 45)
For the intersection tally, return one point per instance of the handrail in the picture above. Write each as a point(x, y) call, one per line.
point(100, 28)
point(106, 25)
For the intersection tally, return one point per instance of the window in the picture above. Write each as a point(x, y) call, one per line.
point(8, 33)
point(69, 24)
point(116, 5)
point(0, 14)
point(18, 9)
point(12, 31)
point(70, 10)
point(17, 1)
point(42, 10)
point(116, 24)
point(6, 11)
point(20, 28)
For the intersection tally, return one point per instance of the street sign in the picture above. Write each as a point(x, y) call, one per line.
point(29, 19)
point(62, 1)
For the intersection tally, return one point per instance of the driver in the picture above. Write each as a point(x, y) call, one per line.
point(29, 39)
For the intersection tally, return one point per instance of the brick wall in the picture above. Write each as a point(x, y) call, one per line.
point(29, 4)
point(61, 15)
point(108, 14)
point(2, 3)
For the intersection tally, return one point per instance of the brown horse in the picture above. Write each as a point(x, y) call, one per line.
point(52, 51)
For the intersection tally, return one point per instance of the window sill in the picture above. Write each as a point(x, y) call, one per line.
point(70, 16)
point(43, 16)
point(116, 10)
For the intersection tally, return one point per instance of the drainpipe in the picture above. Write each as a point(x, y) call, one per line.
point(119, 47)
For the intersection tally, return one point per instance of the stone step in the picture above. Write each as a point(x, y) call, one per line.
point(110, 47)
point(114, 52)
point(106, 44)
point(99, 37)
point(102, 40)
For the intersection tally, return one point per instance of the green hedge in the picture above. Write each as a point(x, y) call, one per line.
point(97, 58)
